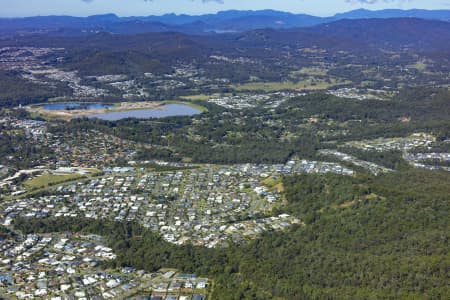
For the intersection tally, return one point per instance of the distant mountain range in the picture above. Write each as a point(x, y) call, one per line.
point(373, 41)
point(222, 22)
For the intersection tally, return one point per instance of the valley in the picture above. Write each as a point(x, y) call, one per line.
point(180, 157)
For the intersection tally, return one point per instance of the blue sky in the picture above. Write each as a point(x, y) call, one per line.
point(18, 8)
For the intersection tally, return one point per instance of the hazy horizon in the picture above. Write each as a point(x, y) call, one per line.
point(82, 8)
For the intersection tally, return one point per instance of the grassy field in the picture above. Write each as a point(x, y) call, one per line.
point(313, 71)
point(420, 66)
point(46, 180)
point(308, 84)
point(274, 184)
point(199, 97)
point(204, 97)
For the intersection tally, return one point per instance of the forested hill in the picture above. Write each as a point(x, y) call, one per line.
point(394, 33)
point(270, 54)
point(225, 21)
point(417, 34)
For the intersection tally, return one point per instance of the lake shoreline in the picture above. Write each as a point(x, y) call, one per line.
point(69, 114)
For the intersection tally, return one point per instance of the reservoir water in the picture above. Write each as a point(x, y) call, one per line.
point(168, 110)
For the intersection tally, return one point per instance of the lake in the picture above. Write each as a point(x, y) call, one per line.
point(168, 110)
point(76, 105)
